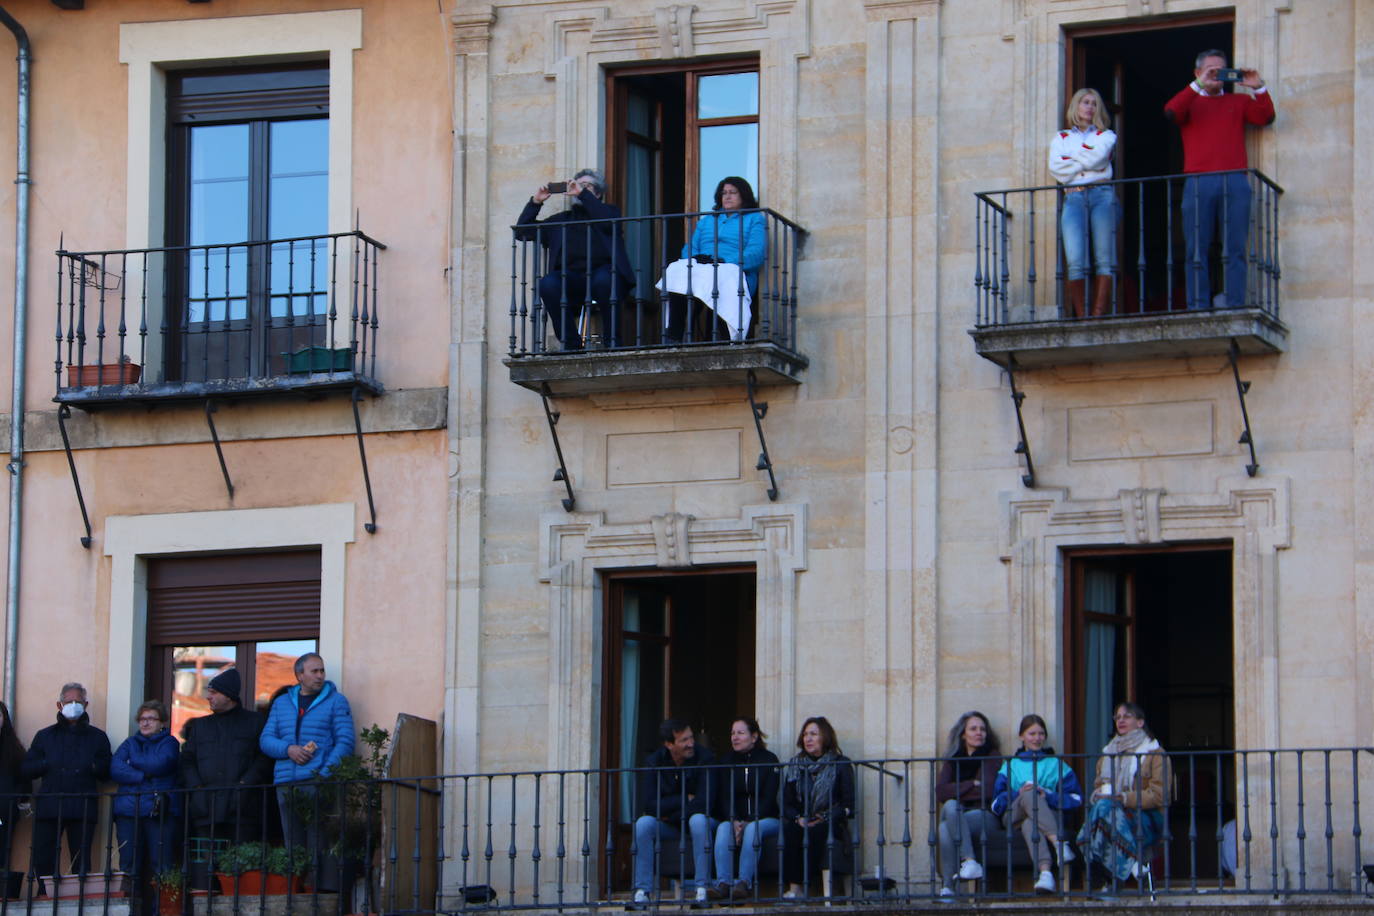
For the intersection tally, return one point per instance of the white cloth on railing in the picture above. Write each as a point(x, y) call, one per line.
point(736, 306)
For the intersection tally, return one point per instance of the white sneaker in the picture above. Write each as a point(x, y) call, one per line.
point(700, 896)
point(641, 898)
point(970, 870)
point(1045, 885)
point(790, 895)
point(946, 891)
point(1066, 853)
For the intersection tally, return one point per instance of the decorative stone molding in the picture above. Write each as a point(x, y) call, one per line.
point(670, 540)
point(675, 30)
point(580, 42)
point(575, 548)
point(1251, 513)
point(472, 31)
point(1140, 512)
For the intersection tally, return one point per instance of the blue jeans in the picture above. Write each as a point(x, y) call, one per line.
point(1092, 211)
point(751, 841)
point(1208, 199)
point(649, 831)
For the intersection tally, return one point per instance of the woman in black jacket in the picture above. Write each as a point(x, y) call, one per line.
point(817, 803)
point(746, 803)
point(14, 788)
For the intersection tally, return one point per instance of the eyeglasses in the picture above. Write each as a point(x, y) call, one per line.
point(142, 719)
point(1123, 715)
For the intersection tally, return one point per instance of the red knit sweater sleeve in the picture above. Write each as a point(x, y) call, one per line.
point(1259, 109)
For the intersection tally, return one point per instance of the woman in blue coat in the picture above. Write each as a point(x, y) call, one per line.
point(147, 807)
point(724, 236)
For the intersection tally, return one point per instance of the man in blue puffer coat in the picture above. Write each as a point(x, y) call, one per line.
point(309, 730)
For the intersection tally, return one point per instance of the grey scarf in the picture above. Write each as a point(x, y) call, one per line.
point(816, 778)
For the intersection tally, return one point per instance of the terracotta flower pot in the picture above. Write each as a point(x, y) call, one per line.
point(85, 376)
point(252, 883)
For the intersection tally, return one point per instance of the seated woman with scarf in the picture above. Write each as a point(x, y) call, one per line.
point(817, 802)
point(1126, 810)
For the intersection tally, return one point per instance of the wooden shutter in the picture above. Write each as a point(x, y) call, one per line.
point(230, 598)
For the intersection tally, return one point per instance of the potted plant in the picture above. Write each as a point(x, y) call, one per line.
point(124, 372)
point(255, 868)
point(170, 883)
point(347, 803)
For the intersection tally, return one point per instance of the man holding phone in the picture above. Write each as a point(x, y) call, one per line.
point(587, 261)
point(1212, 123)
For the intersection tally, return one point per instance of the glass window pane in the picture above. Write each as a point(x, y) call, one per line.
point(731, 149)
point(728, 95)
point(275, 666)
point(193, 667)
point(219, 184)
point(298, 201)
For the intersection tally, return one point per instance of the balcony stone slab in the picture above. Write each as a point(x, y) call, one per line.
point(1159, 335)
point(593, 371)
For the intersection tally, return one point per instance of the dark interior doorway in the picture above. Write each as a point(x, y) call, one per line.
point(676, 644)
point(1155, 627)
point(1137, 69)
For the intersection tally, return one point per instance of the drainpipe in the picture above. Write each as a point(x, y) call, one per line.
point(21, 282)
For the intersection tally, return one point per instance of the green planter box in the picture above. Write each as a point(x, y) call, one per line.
point(319, 359)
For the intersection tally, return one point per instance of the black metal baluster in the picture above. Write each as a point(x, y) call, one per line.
point(1302, 828)
point(1329, 832)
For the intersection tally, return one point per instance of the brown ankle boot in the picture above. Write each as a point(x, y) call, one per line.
point(1102, 295)
point(1075, 293)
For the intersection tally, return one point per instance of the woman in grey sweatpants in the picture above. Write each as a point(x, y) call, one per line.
point(964, 791)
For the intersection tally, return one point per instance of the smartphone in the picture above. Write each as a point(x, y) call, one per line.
point(1230, 75)
point(558, 187)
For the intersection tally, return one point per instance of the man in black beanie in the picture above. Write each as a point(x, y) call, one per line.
point(221, 758)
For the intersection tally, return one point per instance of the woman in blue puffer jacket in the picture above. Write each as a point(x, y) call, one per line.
point(147, 807)
point(1033, 790)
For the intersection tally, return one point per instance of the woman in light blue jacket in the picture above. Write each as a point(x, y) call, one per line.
point(723, 236)
point(1033, 790)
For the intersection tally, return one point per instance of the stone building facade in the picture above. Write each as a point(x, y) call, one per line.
point(902, 563)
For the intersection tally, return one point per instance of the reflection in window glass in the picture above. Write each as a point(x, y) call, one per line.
point(193, 667)
point(729, 149)
point(276, 667)
point(728, 95)
point(219, 184)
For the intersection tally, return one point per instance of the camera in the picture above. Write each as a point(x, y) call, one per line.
point(1230, 75)
point(561, 187)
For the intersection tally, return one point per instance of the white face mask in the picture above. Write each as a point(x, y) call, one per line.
point(73, 710)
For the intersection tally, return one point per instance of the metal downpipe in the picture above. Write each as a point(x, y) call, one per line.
point(21, 283)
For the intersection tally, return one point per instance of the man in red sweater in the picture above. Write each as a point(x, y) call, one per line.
point(1212, 122)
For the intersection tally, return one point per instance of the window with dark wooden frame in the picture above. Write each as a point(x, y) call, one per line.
point(248, 162)
point(255, 612)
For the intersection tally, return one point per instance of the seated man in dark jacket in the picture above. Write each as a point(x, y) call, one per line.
point(674, 793)
point(71, 757)
point(586, 263)
point(222, 760)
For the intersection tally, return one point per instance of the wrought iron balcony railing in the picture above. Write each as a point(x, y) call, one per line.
point(647, 317)
point(1162, 295)
point(1235, 824)
point(247, 318)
